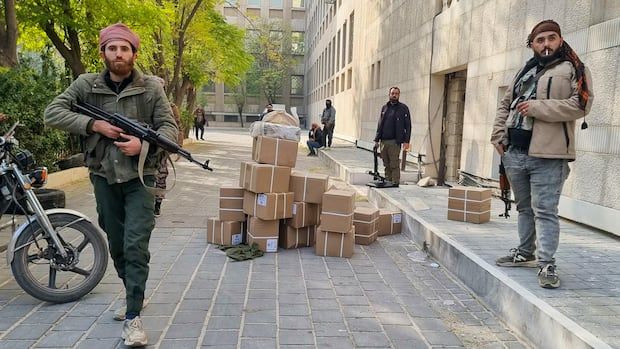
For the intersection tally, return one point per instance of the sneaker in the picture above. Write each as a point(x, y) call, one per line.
point(516, 259)
point(547, 277)
point(310, 154)
point(133, 333)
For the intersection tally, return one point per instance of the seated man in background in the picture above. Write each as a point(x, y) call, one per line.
point(315, 139)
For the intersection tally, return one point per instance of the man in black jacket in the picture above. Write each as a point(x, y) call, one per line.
point(393, 132)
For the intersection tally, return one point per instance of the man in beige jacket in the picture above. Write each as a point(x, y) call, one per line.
point(534, 132)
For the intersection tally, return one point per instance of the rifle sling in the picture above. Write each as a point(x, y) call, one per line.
point(141, 160)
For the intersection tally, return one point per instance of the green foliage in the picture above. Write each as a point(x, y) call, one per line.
point(269, 42)
point(24, 94)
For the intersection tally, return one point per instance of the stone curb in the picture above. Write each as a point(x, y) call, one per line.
point(528, 315)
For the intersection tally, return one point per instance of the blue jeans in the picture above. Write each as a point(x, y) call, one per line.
point(313, 145)
point(537, 184)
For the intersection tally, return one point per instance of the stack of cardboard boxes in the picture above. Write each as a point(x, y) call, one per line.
point(336, 235)
point(267, 198)
point(467, 204)
point(300, 229)
point(228, 228)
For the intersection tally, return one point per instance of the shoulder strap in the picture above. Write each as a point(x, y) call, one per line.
point(153, 190)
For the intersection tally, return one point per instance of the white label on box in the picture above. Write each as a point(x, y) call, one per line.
point(272, 245)
point(236, 239)
point(294, 209)
point(261, 199)
point(396, 218)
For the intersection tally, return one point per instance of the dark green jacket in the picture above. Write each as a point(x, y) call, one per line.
point(143, 100)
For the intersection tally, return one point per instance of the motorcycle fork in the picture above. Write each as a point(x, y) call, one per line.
point(39, 212)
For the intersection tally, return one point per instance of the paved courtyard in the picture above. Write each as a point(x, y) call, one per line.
point(385, 296)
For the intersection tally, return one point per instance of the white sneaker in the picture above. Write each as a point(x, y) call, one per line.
point(133, 333)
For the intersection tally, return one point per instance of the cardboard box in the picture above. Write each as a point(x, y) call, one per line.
point(304, 215)
point(274, 151)
point(365, 222)
point(268, 206)
point(308, 187)
point(468, 204)
point(390, 222)
point(262, 178)
point(231, 204)
point(264, 233)
point(337, 210)
point(296, 237)
point(334, 244)
point(224, 233)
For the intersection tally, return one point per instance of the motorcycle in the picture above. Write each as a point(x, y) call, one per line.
point(56, 255)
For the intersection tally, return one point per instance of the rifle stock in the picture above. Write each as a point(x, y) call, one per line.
point(504, 186)
point(133, 128)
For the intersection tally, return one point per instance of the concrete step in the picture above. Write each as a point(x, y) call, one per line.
point(522, 310)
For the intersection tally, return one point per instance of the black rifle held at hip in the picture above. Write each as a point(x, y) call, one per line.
point(504, 186)
point(136, 129)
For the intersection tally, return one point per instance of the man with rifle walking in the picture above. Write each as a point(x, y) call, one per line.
point(534, 132)
point(124, 205)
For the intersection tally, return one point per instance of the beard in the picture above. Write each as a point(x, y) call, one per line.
point(550, 58)
point(120, 67)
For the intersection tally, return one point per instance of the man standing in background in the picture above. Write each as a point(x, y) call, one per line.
point(393, 132)
point(328, 119)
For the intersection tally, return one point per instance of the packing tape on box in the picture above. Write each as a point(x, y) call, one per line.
point(231, 197)
point(468, 212)
point(341, 244)
point(221, 232)
point(366, 236)
point(359, 221)
point(338, 214)
point(297, 236)
point(305, 186)
point(277, 150)
point(272, 178)
point(231, 209)
point(485, 200)
point(261, 237)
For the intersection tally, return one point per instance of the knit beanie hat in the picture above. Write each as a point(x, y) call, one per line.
point(547, 25)
point(118, 31)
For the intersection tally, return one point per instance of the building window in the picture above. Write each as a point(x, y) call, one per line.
point(298, 3)
point(372, 77)
point(349, 78)
point(253, 3)
point(378, 75)
point(275, 4)
point(297, 84)
point(231, 3)
point(351, 18)
point(338, 51)
point(344, 44)
point(297, 43)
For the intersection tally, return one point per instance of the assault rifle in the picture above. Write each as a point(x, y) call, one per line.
point(133, 128)
point(504, 186)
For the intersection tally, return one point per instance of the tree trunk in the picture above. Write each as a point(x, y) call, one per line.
point(191, 97)
point(240, 110)
point(8, 35)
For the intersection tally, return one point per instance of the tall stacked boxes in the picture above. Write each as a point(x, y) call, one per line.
point(390, 222)
point(336, 235)
point(467, 204)
point(267, 198)
point(365, 222)
point(307, 192)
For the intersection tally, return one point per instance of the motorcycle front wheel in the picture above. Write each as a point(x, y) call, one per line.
point(43, 273)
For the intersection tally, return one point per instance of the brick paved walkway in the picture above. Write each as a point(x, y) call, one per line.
point(293, 299)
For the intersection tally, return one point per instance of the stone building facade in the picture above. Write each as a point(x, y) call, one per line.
point(453, 60)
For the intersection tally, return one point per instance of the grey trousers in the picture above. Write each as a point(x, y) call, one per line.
point(537, 184)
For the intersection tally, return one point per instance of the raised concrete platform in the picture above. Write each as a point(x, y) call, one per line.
point(355, 170)
point(580, 314)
